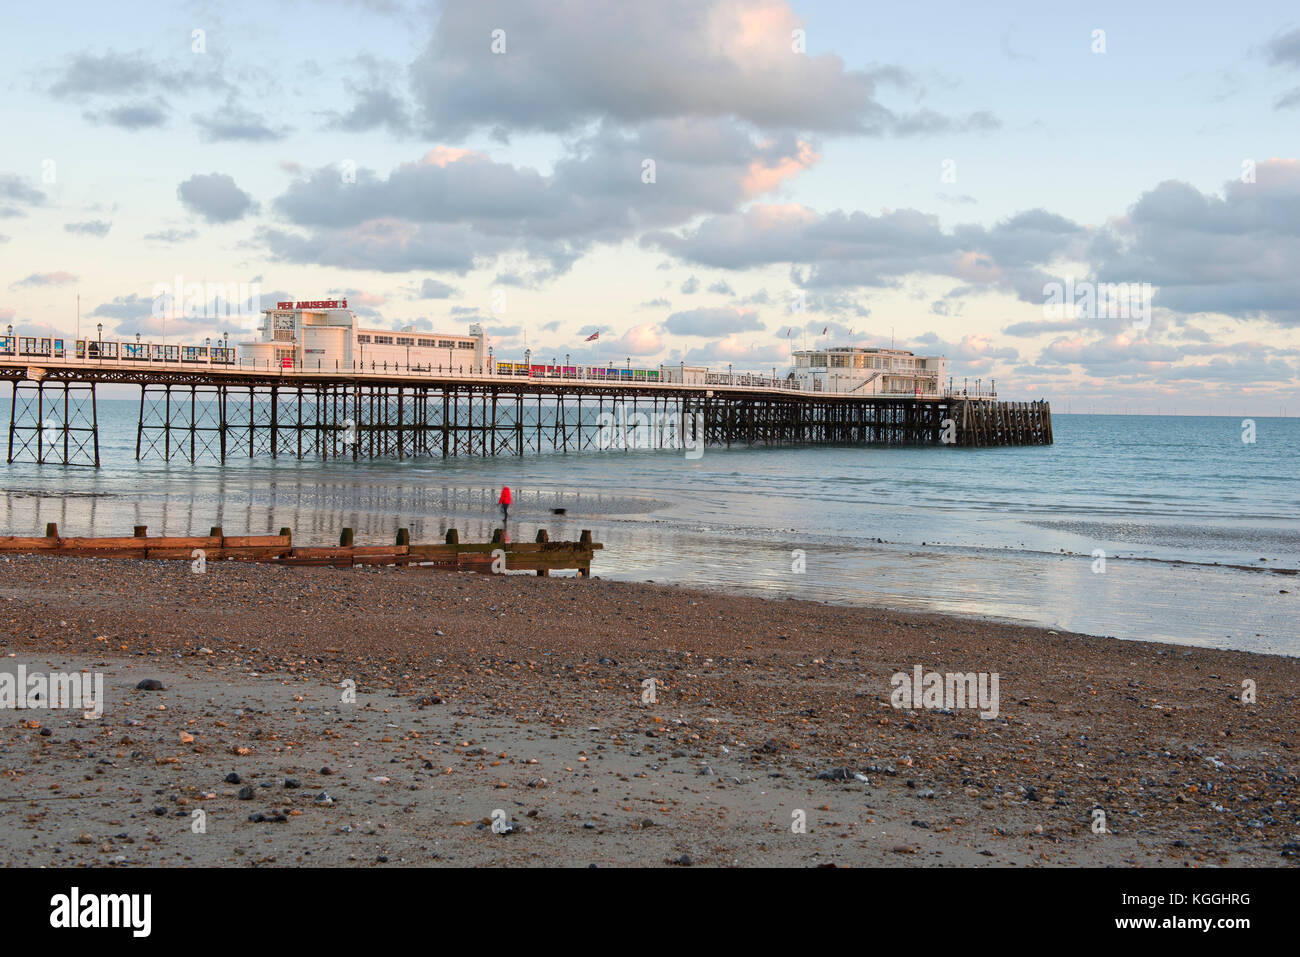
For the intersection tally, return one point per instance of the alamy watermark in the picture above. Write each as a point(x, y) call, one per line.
point(206, 300)
point(950, 691)
point(1085, 299)
point(656, 430)
point(57, 690)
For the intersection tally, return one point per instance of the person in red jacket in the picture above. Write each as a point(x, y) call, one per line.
point(505, 503)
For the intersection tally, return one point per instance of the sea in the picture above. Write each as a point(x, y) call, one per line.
point(1179, 529)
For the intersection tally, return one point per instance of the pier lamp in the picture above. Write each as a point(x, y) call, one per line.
point(207, 346)
point(99, 328)
point(9, 331)
point(730, 377)
point(491, 364)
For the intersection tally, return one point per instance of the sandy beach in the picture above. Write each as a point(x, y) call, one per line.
point(522, 700)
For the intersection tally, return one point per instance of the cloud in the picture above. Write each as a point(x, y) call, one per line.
point(232, 124)
point(141, 80)
point(140, 115)
point(713, 321)
point(642, 340)
point(1284, 48)
point(690, 287)
point(564, 66)
point(455, 208)
point(112, 73)
point(373, 108)
point(722, 288)
point(93, 227)
point(435, 289)
point(215, 197)
point(1040, 327)
point(840, 249)
point(59, 278)
point(172, 235)
point(16, 192)
point(1235, 253)
point(125, 307)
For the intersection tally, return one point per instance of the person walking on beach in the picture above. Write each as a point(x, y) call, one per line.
point(505, 503)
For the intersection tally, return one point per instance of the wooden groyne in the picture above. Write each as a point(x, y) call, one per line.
point(498, 556)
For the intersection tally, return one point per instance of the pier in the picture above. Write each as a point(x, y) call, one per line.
point(213, 411)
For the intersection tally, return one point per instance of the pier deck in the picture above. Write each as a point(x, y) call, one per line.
point(191, 413)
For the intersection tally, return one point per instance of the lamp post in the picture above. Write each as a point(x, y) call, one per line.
point(492, 366)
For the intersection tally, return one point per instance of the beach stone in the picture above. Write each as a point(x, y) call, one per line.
point(246, 793)
point(292, 783)
point(150, 684)
point(836, 774)
point(234, 778)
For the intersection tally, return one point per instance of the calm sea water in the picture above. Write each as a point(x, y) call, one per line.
point(1000, 533)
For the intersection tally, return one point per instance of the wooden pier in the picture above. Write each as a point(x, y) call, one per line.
point(499, 556)
point(217, 413)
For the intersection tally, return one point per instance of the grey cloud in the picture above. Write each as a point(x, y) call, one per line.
point(215, 197)
point(436, 289)
point(1237, 253)
point(566, 65)
point(1284, 48)
point(59, 278)
point(714, 321)
point(125, 307)
point(374, 108)
point(595, 194)
point(111, 73)
point(172, 235)
point(1038, 328)
point(15, 189)
point(232, 124)
point(93, 227)
point(132, 116)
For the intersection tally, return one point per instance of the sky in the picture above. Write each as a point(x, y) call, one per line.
point(712, 182)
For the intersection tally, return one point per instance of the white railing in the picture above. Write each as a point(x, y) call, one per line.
point(662, 377)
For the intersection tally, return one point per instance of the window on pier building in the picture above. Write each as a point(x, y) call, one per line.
point(363, 338)
point(405, 341)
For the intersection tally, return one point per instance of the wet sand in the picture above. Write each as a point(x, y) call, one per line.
point(524, 696)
